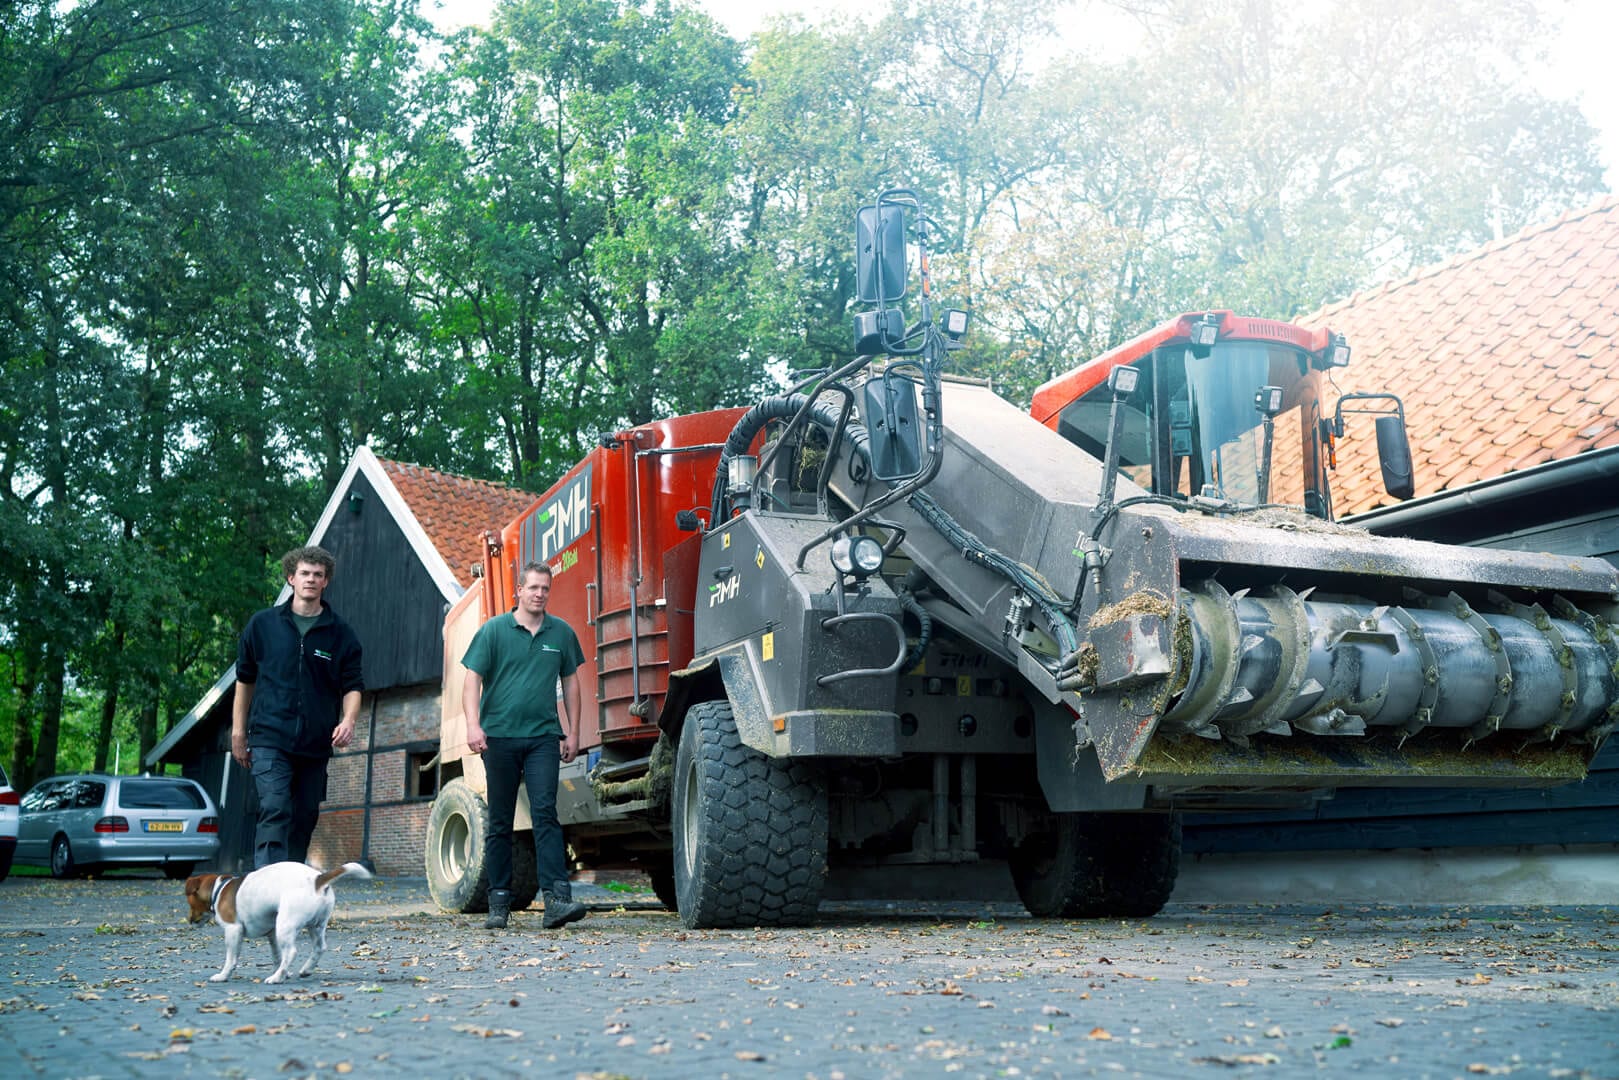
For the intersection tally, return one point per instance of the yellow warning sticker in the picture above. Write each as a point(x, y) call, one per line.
point(767, 646)
point(964, 686)
point(759, 558)
point(725, 541)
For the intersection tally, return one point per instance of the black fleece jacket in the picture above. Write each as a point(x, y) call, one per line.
point(298, 682)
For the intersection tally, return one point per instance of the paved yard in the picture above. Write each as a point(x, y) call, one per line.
point(104, 978)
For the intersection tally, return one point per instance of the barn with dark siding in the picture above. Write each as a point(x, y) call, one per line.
point(1507, 362)
point(406, 540)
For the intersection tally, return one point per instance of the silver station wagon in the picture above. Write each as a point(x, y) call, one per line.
point(77, 825)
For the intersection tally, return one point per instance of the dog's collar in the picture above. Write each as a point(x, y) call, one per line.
point(219, 887)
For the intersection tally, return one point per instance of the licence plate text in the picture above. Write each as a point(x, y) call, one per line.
point(165, 826)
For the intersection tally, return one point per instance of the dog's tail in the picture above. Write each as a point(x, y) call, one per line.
point(350, 869)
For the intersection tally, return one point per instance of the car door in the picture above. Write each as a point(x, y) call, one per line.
point(82, 808)
point(37, 821)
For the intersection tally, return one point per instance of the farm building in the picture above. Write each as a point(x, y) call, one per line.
point(406, 540)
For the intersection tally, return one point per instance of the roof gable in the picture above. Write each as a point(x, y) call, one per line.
point(442, 517)
point(1505, 357)
point(455, 511)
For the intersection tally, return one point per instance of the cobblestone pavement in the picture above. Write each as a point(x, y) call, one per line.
point(104, 978)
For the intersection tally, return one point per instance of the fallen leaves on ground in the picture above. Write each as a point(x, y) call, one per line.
point(487, 1032)
point(1234, 1060)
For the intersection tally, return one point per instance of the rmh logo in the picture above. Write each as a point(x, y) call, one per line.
point(725, 590)
point(565, 518)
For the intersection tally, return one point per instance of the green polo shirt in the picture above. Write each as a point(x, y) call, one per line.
point(520, 672)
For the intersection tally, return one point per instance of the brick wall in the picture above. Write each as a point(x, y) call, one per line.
point(403, 719)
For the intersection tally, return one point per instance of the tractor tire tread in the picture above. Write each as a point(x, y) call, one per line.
point(761, 859)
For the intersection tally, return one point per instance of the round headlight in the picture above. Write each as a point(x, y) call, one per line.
point(861, 556)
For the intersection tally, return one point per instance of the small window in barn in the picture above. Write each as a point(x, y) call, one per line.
point(421, 771)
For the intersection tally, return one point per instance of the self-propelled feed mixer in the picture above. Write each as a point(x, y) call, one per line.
point(889, 629)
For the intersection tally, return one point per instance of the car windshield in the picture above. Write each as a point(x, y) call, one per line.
point(160, 795)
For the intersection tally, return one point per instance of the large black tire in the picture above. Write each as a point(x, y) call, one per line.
point(525, 879)
point(663, 885)
point(5, 863)
point(456, 875)
point(750, 832)
point(1099, 866)
point(62, 863)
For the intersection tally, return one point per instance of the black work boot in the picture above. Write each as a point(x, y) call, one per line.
point(560, 910)
point(500, 909)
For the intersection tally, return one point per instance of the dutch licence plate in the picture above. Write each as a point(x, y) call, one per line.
point(165, 826)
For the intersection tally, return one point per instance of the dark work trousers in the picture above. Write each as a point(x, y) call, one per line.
point(535, 762)
point(291, 788)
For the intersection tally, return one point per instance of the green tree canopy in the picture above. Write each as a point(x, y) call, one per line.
point(239, 241)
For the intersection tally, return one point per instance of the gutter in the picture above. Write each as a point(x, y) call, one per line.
point(1589, 467)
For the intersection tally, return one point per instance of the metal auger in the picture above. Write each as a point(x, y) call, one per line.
point(1275, 662)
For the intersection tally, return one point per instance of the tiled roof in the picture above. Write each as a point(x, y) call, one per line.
point(1504, 357)
point(455, 511)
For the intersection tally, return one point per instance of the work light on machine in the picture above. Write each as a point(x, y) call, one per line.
point(1337, 351)
point(1122, 381)
point(1205, 330)
point(859, 556)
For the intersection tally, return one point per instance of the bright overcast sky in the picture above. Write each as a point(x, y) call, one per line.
point(1581, 61)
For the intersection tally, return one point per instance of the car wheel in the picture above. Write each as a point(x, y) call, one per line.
point(177, 871)
point(5, 864)
point(62, 864)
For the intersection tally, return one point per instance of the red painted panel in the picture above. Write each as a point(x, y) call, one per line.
point(604, 529)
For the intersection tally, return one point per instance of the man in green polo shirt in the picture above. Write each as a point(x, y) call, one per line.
point(510, 699)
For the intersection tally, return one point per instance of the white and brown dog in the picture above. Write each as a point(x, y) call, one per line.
point(275, 901)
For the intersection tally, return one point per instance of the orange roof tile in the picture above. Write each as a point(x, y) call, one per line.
point(455, 511)
point(1504, 357)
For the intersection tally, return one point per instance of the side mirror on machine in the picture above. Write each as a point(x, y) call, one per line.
point(1394, 456)
point(1393, 445)
point(893, 425)
point(879, 276)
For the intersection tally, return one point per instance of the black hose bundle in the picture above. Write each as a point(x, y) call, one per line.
point(974, 550)
point(915, 582)
point(779, 407)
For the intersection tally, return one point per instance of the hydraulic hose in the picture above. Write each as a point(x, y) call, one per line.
point(975, 550)
point(778, 407)
point(915, 582)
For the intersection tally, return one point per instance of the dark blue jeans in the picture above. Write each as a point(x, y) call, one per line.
point(535, 762)
point(291, 788)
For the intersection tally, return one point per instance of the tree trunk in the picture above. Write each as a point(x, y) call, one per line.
point(22, 727)
point(53, 669)
point(109, 699)
point(53, 675)
point(146, 728)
